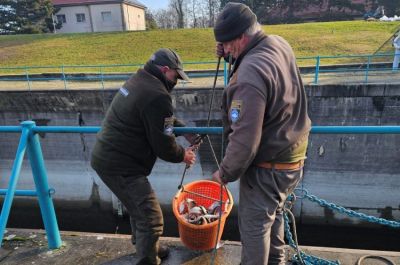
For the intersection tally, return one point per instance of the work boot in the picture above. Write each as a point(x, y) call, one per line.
point(163, 252)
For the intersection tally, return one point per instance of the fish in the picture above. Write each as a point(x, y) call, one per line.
point(197, 214)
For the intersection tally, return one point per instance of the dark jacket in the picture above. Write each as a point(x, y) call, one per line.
point(137, 129)
point(264, 108)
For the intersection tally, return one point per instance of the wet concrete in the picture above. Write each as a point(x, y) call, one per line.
point(30, 247)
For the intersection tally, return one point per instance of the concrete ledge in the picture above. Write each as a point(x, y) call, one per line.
point(30, 247)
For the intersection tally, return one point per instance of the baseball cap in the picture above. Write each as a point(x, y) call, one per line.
point(168, 57)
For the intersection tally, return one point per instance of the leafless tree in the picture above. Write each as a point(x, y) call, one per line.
point(213, 6)
point(194, 5)
point(188, 13)
point(178, 6)
point(165, 18)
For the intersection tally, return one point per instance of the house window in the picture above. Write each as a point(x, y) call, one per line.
point(61, 19)
point(80, 18)
point(106, 16)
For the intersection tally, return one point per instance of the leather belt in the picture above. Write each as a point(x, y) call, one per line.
point(282, 166)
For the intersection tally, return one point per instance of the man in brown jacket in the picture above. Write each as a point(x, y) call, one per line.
point(264, 113)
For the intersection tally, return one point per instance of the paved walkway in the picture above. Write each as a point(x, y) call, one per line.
point(23, 247)
point(351, 77)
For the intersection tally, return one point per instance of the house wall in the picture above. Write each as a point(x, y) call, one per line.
point(123, 18)
point(134, 18)
point(116, 19)
point(71, 24)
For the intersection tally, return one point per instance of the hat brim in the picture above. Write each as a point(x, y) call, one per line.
point(182, 75)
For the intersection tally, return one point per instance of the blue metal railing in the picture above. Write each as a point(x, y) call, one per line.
point(103, 73)
point(29, 141)
point(366, 65)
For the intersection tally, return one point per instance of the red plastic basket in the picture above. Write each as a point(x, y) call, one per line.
point(204, 192)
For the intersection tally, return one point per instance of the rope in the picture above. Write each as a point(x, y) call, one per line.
point(213, 92)
point(214, 253)
point(386, 260)
point(301, 257)
point(312, 260)
point(216, 160)
point(296, 243)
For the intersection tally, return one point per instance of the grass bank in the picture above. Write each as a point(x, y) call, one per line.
point(194, 45)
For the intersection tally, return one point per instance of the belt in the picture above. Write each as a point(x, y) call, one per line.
point(281, 166)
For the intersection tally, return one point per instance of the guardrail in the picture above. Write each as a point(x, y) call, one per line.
point(29, 141)
point(317, 66)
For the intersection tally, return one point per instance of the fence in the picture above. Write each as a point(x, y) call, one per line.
point(29, 141)
point(354, 68)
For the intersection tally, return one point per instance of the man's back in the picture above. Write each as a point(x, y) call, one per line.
point(127, 143)
point(270, 68)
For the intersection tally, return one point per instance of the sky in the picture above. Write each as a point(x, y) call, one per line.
point(155, 4)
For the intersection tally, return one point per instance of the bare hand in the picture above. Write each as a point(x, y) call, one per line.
point(219, 51)
point(216, 176)
point(190, 157)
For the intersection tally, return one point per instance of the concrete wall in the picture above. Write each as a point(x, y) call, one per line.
point(355, 171)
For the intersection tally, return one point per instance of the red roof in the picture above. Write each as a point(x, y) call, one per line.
point(85, 2)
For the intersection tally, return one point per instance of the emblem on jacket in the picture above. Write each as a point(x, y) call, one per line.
point(124, 91)
point(236, 107)
point(169, 125)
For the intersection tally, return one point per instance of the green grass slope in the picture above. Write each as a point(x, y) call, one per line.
point(194, 45)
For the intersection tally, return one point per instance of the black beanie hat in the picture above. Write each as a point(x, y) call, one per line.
point(233, 21)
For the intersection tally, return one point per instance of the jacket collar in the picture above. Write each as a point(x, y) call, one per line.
point(156, 72)
point(257, 38)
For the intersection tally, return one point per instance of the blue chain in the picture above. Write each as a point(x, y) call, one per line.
point(304, 259)
point(313, 260)
point(351, 213)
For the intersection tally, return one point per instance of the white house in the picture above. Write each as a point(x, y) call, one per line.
point(100, 15)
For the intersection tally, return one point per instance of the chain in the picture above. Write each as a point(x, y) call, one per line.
point(301, 257)
point(351, 213)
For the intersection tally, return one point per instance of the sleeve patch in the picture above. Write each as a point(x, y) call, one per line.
point(169, 125)
point(124, 91)
point(235, 110)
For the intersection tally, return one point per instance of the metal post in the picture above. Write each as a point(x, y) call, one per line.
point(27, 78)
point(63, 74)
point(42, 188)
point(317, 70)
point(102, 77)
point(16, 170)
point(367, 69)
point(225, 74)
